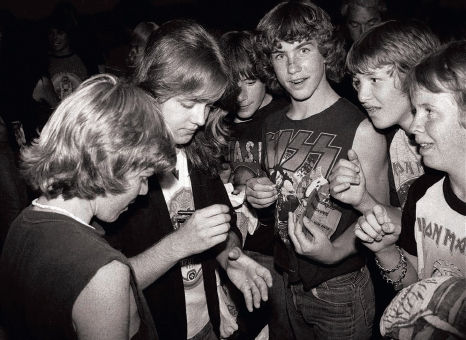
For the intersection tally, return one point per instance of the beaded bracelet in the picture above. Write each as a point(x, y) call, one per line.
point(401, 264)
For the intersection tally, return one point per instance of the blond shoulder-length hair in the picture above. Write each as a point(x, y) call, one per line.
point(104, 130)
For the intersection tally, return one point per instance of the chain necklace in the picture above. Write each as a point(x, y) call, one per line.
point(60, 211)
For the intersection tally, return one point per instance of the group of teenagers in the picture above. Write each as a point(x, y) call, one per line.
point(239, 172)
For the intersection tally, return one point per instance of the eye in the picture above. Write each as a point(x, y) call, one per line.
point(251, 82)
point(305, 50)
point(354, 24)
point(278, 56)
point(429, 114)
point(187, 104)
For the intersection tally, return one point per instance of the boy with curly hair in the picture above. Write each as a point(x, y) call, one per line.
point(322, 296)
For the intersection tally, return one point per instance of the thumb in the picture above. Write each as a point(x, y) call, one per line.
point(234, 254)
point(380, 214)
point(353, 156)
point(310, 229)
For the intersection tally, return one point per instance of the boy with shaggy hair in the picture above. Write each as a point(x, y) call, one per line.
point(379, 62)
point(430, 241)
point(303, 142)
point(245, 148)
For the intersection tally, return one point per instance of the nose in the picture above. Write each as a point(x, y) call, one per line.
point(198, 114)
point(243, 95)
point(293, 65)
point(364, 92)
point(417, 125)
point(364, 28)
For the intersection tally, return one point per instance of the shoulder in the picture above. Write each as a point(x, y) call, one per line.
point(107, 290)
point(343, 105)
point(274, 114)
point(423, 183)
point(108, 284)
point(368, 138)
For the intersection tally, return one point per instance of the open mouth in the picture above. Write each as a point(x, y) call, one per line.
point(425, 146)
point(298, 81)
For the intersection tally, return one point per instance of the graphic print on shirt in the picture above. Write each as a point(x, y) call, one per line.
point(440, 233)
point(181, 207)
point(298, 164)
point(406, 164)
point(244, 157)
point(65, 83)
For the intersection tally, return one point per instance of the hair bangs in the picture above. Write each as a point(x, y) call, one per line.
point(241, 66)
point(364, 63)
point(295, 22)
point(199, 81)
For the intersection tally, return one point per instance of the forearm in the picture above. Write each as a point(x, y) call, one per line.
point(157, 260)
point(405, 272)
point(343, 246)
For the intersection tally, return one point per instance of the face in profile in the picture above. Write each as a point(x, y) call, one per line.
point(380, 93)
point(58, 41)
point(360, 19)
point(438, 131)
point(109, 207)
point(184, 116)
point(250, 98)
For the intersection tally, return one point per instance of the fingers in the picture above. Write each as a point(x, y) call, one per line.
point(343, 176)
point(362, 235)
point(371, 229)
point(256, 294)
point(265, 274)
point(238, 189)
point(245, 289)
point(261, 192)
point(263, 288)
point(380, 214)
point(384, 220)
point(212, 210)
point(261, 184)
point(291, 232)
point(344, 168)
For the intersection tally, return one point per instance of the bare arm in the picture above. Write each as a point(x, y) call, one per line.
point(204, 229)
point(363, 182)
point(371, 149)
point(362, 179)
point(102, 309)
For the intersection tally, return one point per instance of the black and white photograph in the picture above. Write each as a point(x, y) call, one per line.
point(232, 170)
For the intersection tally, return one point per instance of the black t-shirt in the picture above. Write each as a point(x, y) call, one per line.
point(47, 260)
point(299, 155)
point(245, 153)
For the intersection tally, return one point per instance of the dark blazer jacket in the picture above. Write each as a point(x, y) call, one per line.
point(148, 221)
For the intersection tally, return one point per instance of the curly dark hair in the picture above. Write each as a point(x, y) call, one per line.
point(297, 21)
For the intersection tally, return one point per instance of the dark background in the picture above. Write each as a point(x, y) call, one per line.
point(107, 24)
